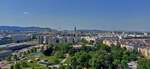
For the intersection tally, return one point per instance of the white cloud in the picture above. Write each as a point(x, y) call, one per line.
point(25, 12)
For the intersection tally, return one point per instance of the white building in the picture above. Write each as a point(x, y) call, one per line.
point(88, 38)
point(21, 37)
point(63, 39)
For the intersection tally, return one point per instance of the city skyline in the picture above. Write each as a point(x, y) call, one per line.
point(128, 15)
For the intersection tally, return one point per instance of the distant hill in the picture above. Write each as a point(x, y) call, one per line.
point(84, 30)
point(116, 31)
point(24, 29)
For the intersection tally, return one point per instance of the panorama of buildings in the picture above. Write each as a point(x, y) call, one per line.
point(13, 43)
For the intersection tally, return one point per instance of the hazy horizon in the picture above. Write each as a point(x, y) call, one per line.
point(126, 15)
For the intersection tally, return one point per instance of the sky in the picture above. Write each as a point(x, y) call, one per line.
point(128, 15)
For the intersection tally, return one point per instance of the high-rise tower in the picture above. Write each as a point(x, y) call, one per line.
point(75, 35)
point(75, 29)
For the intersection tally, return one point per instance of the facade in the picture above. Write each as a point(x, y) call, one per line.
point(4, 54)
point(40, 39)
point(128, 47)
point(63, 39)
point(44, 39)
point(21, 37)
point(89, 39)
point(144, 51)
point(110, 42)
point(142, 45)
point(106, 42)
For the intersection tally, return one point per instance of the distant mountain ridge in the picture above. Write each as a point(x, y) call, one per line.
point(24, 29)
point(95, 30)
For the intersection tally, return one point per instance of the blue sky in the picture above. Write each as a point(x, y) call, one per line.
point(133, 15)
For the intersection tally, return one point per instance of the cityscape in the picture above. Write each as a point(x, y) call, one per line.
point(44, 49)
point(74, 34)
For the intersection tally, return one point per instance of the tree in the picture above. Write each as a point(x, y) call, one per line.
point(15, 57)
point(17, 66)
point(24, 64)
point(9, 58)
point(48, 52)
point(125, 57)
point(64, 47)
point(80, 59)
point(59, 54)
point(62, 66)
point(133, 55)
point(73, 62)
point(12, 67)
point(84, 59)
point(124, 64)
point(143, 63)
point(101, 57)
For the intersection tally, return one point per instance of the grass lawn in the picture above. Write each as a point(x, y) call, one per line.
point(35, 66)
point(43, 57)
point(53, 59)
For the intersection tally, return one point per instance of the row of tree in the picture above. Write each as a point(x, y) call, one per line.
point(97, 57)
point(101, 57)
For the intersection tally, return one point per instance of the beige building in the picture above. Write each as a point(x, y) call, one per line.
point(110, 42)
point(144, 51)
point(106, 42)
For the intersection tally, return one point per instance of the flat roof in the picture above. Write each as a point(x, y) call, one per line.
point(14, 44)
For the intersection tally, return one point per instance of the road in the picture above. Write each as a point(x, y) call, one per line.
point(67, 55)
point(62, 62)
